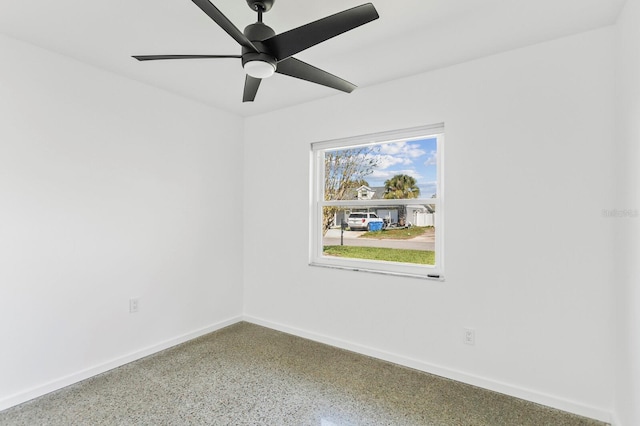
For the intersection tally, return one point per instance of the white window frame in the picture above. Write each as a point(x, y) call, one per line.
point(317, 202)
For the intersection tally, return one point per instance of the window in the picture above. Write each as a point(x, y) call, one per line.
point(377, 203)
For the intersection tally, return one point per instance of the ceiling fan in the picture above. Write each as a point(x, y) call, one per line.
point(265, 53)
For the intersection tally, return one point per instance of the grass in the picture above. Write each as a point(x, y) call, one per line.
point(398, 234)
point(378, 253)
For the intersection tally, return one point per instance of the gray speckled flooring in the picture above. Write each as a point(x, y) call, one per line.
point(250, 375)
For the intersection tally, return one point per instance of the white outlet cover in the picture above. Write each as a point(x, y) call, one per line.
point(134, 305)
point(469, 336)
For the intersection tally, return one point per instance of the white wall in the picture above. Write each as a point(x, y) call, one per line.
point(109, 189)
point(628, 228)
point(529, 255)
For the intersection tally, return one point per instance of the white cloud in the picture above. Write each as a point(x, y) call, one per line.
point(402, 149)
point(387, 161)
point(432, 159)
point(398, 153)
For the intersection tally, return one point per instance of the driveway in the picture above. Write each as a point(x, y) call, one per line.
point(351, 238)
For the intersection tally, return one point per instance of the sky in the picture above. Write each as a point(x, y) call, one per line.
point(416, 158)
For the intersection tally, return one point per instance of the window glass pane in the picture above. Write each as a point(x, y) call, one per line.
point(375, 199)
point(376, 233)
point(391, 170)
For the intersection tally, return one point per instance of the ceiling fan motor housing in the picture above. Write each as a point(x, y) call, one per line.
point(260, 5)
point(256, 33)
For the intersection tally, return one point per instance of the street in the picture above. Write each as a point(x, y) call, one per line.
point(351, 238)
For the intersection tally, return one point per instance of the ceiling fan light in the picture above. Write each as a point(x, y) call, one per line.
point(259, 69)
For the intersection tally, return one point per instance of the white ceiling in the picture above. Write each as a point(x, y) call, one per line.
point(411, 36)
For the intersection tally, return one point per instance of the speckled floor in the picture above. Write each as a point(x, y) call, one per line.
point(250, 375)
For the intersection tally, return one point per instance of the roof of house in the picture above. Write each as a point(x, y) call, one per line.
point(378, 192)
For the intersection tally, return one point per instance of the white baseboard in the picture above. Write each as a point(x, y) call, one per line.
point(504, 388)
point(493, 385)
point(62, 382)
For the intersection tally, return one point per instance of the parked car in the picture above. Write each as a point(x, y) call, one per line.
point(362, 220)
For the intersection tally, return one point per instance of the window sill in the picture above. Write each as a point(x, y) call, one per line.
point(429, 276)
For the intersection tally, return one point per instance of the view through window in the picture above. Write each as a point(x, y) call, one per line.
point(377, 202)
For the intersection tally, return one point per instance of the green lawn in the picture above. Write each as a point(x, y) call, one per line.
point(377, 253)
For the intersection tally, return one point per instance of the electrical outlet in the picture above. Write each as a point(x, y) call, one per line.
point(469, 336)
point(134, 305)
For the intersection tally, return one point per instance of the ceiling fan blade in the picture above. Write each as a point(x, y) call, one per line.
point(298, 69)
point(289, 43)
point(251, 85)
point(224, 23)
point(158, 57)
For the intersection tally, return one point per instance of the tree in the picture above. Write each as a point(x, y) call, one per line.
point(401, 187)
point(344, 171)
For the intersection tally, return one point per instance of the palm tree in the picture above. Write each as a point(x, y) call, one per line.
point(401, 187)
